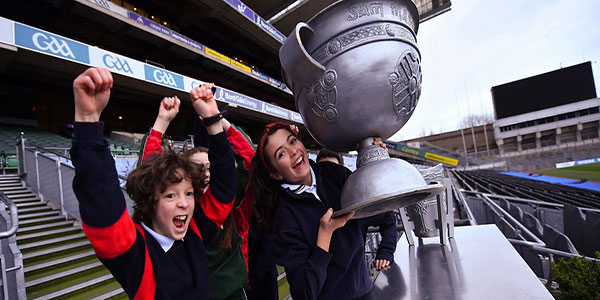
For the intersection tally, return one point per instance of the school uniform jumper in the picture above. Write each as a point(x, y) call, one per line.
point(312, 272)
point(132, 254)
point(228, 271)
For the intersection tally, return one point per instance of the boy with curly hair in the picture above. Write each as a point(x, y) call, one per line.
point(160, 253)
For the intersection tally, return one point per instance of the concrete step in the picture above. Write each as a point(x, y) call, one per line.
point(49, 242)
point(56, 262)
point(31, 199)
point(22, 239)
point(16, 191)
point(51, 226)
point(29, 204)
point(62, 274)
point(56, 250)
point(75, 288)
point(38, 215)
point(33, 210)
point(110, 294)
point(34, 222)
point(10, 180)
point(20, 196)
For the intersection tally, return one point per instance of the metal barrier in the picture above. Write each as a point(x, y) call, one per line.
point(11, 259)
point(50, 175)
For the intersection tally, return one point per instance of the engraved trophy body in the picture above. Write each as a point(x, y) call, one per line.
point(354, 69)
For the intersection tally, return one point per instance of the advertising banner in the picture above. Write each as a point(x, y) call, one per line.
point(276, 82)
point(190, 83)
point(260, 75)
point(442, 159)
point(238, 99)
point(241, 66)
point(187, 41)
point(296, 117)
point(116, 63)
point(276, 111)
point(409, 150)
point(577, 163)
point(55, 45)
point(111, 6)
point(149, 23)
point(6, 31)
point(242, 8)
point(163, 77)
point(217, 55)
point(270, 29)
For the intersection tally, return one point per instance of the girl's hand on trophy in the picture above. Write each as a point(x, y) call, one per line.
point(377, 141)
point(382, 264)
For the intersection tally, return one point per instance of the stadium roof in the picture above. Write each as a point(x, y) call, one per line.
point(285, 14)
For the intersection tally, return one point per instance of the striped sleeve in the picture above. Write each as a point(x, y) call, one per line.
point(216, 203)
point(151, 144)
point(106, 223)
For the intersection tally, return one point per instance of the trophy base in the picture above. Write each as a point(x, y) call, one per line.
point(384, 185)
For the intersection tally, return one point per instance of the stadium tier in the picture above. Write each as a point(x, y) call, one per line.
point(156, 49)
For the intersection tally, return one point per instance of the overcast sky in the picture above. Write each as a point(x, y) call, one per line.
point(480, 44)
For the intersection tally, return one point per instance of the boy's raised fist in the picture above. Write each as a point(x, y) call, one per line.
point(91, 90)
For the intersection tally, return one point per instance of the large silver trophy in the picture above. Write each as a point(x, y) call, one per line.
point(355, 72)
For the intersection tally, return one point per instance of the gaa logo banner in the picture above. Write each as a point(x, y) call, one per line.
point(190, 83)
point(163, 77)
point(42, 41)
point(116, 63)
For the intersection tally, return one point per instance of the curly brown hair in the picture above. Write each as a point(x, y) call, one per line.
point(146, 182)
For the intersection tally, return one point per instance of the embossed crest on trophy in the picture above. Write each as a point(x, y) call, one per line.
point(354, 69)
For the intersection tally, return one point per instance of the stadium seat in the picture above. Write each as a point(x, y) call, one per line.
point(478, 210)
point(11, 161)
point(505, 204)
point(533, 224)
point(591, 234)
point(555, 239)
point(574, 223)
point(516, 212)
point(508, 230)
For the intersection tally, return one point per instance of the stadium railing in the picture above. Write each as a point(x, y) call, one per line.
point(11, 259)
point(50, 175)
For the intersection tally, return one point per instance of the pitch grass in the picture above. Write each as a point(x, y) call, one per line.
point(590, 172)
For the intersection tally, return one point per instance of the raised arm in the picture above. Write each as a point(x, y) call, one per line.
point(217, 201)
point(152, 143)
point(104, 215)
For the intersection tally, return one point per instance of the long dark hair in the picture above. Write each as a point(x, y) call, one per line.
point(264, 188)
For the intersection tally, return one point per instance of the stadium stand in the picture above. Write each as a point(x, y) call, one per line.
point(541, 220)
point(48, 141)
point(496, 183)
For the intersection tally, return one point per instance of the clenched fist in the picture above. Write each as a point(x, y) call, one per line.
point(91, 90)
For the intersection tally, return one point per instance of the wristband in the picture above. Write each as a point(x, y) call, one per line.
point(212, 119)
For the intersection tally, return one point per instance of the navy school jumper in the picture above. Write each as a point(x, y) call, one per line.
point(132, 255)
point(313, 273)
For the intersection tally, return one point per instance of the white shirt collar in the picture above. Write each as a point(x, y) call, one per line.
point(300, 188)
point(165, 242)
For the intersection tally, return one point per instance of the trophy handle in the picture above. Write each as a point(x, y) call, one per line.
point(296, 63)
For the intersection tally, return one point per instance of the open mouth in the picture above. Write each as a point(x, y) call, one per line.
point(299, 163)
point(179, 221)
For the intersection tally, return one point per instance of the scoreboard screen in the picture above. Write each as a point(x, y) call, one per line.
point(559, 87)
